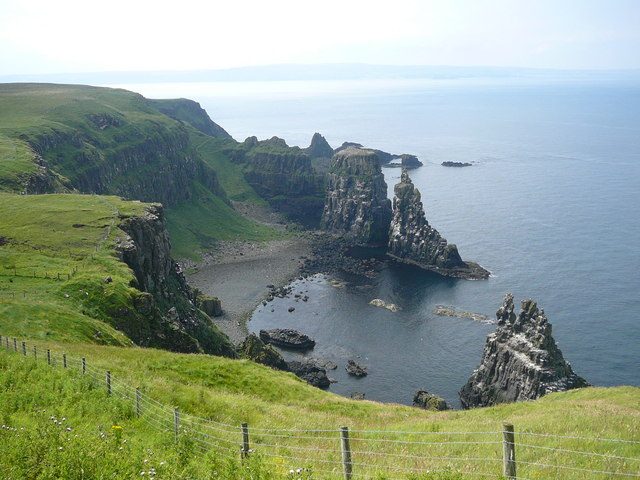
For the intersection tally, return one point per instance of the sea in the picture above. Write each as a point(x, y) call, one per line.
point(550, 205)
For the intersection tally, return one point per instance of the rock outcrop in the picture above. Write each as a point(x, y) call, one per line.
point(428, 401)
point(521, 360)
point(355, 369)
point(456, 164)
point(412, 240)
point(287, 338)
point(319, 147)
point(310, 372)
point(406, 160)
point(190, 112)
point(167, 302)
point(356, 205)
point(255, 349)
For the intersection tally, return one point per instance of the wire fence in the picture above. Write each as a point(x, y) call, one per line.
point(352, 453)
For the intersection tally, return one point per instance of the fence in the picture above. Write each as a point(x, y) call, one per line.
point(352, 453)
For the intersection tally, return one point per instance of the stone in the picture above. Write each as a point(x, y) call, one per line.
point(356, 204)
point(412, 240)
point(357, 396)
point(356, 370)
point(392, 307)
point(456, 164)
point(255, 349)
point(521, 360)
point(212, 306)
point(287, 338)
point(428, 401)
point(310, 372)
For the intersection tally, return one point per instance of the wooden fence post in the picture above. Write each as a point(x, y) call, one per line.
point(35, 352)
point(7, 342)
point(138, 406)
point(24, 348)
point(509, 451)
point(176, 422)
point(108, 378)
point(84, 365)
point(347, 465)
point(15, 344)
point(244, 451)
point(64, 360)
point(48, 357)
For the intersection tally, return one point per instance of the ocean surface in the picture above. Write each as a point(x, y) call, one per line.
point(551, 207)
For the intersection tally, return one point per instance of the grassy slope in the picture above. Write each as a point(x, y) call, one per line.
point(33, 109)
point(232, 391)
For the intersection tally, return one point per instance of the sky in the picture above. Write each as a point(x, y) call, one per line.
point(62, 36)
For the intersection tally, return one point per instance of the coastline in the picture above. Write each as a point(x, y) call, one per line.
point(238, 274)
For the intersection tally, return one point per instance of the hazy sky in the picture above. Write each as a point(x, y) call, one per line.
point(57, 36)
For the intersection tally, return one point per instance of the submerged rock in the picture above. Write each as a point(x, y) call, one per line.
point(392, 307)
point(287, 338)
point(356, 370)
point(310, 372)
point(412, 240)
point(356, 204)
point(521, 360)
point(456, 164)
point(255, 349)
point(428, 401)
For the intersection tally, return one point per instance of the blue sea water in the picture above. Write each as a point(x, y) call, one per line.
point(551, 207)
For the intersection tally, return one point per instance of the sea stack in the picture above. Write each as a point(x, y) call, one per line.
point(521, 360)
point(412, 240)
point(356, 205)
point(319, 147)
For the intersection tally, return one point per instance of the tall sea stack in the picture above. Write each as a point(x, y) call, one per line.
point(412, 240)
point(521, 360)
point(356, 205)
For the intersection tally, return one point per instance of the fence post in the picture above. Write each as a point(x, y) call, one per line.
point(176, 422)
point(347, 465)
point(7, 342)
point(244, 451)
point(138, 407)
point(64, 360)
point(84, 365)
point(35, 352)
point(48, 357)
point(509, 451)
point(15, 344)
point(24, 348)
point(108, 382)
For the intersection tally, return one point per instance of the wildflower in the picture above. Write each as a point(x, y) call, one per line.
point(291, 472)
point(142, 473)
point(116, 427)
point(68, 429)
point(60, 448)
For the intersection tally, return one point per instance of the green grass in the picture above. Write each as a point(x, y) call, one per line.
point(16, 163)
point(233, 391)
point(203, 221)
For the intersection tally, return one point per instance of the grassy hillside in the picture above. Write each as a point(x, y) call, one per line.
point(232, 391)
point(113, 141)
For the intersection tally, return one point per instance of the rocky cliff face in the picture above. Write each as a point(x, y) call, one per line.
point(285, 177)
point(413, 240)
point(521, 360)
point(158, 167)
point(356, 205)
point(168, 304)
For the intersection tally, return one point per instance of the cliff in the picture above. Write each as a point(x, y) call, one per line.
point(169, 303)
point(521, 360)
point(356, 204)
point(412, 240)
point(190, 112)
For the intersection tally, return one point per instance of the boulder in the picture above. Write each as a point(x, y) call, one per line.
point(428, 401)
point(311, 373)
point(212, 306)
point(521, 360)
point(287, 338)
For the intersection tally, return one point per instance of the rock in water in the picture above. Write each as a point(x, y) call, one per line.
point(428, 401)
point(521, 360)
point(287, 338)
point(356, 205)
point(412, 240)
point(311, 373)
point(392, 307)
point(255, 349)
point(356, 370)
